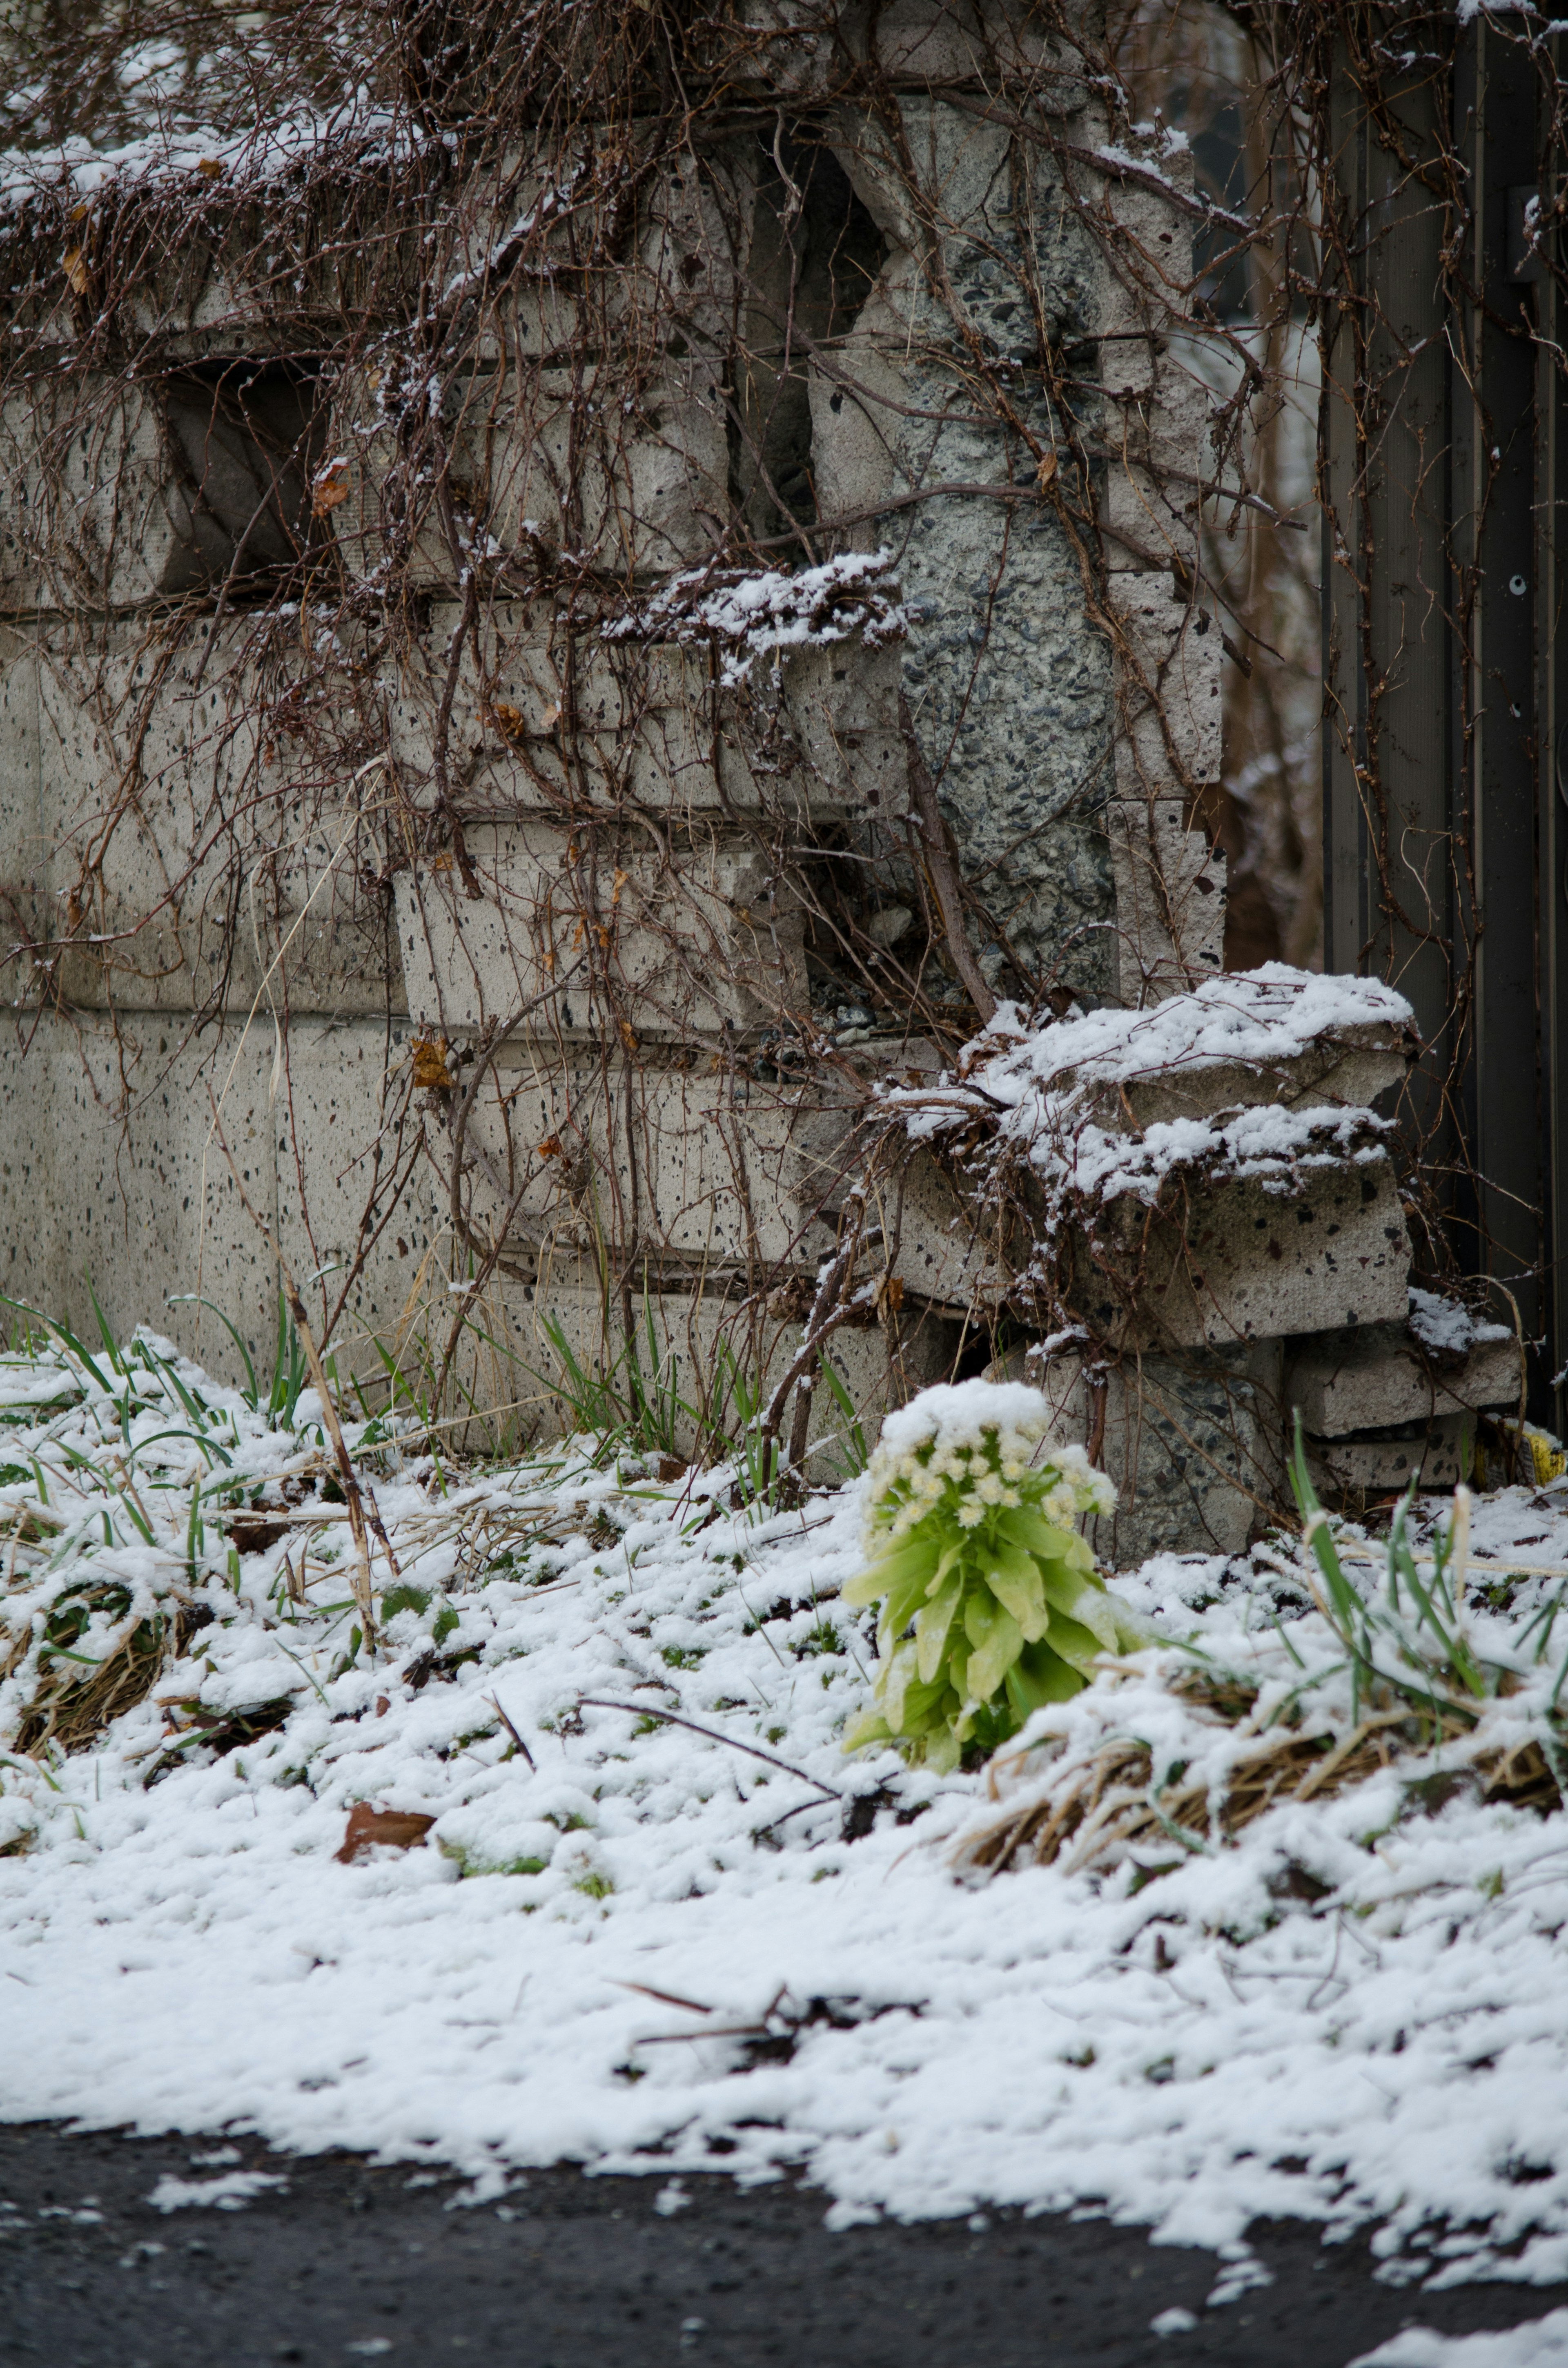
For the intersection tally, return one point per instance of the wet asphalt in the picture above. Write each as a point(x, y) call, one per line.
point(347, 2262)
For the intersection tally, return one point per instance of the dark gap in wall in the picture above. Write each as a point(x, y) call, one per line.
point(815, 256)
point(242, 436)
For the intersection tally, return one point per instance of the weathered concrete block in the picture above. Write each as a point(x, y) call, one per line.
point(1240, 1261)
point(189, 864)
point(138, 1195)
point(1348, 1471)
point(1192, 1443)
point(600, 937)
point(150, 489)
point(1170, 901)
point(359, 1204)
point(553, 725)
point(24, 840)
point(538, 461)
point(1370, 1378)
point(1168, 689)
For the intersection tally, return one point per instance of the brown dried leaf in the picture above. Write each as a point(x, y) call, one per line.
point(333, 483)
point(430, 1072)
point(380, 1828)
point(75, 262)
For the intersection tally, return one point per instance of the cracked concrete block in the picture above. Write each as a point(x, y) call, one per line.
point(1242, 1262)
point(601, 935)
point(1375, 1377)
point(1170, 901)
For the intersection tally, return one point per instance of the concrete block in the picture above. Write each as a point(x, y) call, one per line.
point(1346, 1472)
point(145, 489)
point(189, 866)
point(1369, 1379)
point(593, 933)
point(359, 1203)
point(1170, 902)
point(1193, 1443)
point(1168, 691)
point(25, 916)
point(138, 1196)
point(537, 460)
point(1236, 1261)
point(553, 725)
point(1347, 1067)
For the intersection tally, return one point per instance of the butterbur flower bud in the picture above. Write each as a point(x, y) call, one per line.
point(991, 1604)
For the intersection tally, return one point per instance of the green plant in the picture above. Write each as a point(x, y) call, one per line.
point(971, 1551)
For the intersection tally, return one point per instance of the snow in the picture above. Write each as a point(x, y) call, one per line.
point(1043, 1089)
point(1447, 1325)
point(1536, 2344)
point(651, 1951)
point(765, 612)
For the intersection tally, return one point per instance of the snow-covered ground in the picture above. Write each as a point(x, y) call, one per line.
point(720, 1945)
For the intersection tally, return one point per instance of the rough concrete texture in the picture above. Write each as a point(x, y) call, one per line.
point(1368, 1379)
point(1010, 697)
point(1349, 1471)
point(581, 933)
point(1234, 1260)
point(1192, 1442)
point(1170, 901)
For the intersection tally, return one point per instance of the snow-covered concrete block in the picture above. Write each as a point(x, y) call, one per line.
point(1242, 1258)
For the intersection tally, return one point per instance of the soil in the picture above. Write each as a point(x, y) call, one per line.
point(349, 2261)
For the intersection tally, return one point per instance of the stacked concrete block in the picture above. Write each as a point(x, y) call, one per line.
point(1380, 1405)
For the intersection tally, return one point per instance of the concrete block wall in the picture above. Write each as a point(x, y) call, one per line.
point(247, 929)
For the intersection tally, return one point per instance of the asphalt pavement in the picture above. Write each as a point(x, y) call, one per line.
point(348, 2261)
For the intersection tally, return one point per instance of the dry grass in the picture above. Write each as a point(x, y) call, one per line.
point(1089, 1810)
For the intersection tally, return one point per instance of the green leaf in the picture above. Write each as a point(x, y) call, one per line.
point(931, 1627)
point(1016, 1581)
point(1038, 1676)
point(997, 1641)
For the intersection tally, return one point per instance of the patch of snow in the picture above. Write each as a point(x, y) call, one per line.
point(230, 2194)
point(1539, 2343)
point(1447, 1325)
point(576, 1960)
point(751, 614)
point(1175, 2321)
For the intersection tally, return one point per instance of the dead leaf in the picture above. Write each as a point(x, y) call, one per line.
point(430, 1072)
point(628, 1036)
point(551, 716)
point(507, 719)
point(76, 272)
point(1045, 476)
point(671, 1467)
point(442, 862)
point(380, 1828)
point(332, 483)
point(209, 168)
point(253, 1532)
